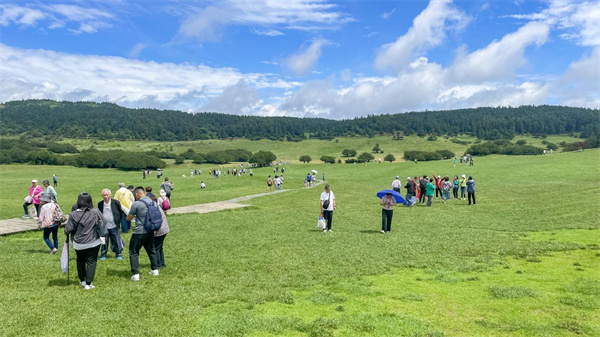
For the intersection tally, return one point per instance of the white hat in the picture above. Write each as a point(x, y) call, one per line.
point(439, 177)
point(463, 176)
point(34, 181)
point(407, 178)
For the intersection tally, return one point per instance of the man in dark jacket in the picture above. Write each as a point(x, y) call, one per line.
point(423, 187)
point(410, 190)
point(111, 210)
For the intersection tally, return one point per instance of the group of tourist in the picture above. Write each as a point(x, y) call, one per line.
point(113, 216)
point(421, 190)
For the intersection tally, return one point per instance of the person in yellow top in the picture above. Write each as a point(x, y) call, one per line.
point(463, 186)
point(126, 199)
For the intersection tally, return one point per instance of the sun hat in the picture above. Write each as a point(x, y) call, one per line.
point(463, 176)
point(407, 178)
point(34, 181)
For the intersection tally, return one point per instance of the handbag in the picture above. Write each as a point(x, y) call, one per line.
point(101, 229)
point(58, 216)
point(322, 223)
point(326, 203)
point(28, 199)
point(64, 258)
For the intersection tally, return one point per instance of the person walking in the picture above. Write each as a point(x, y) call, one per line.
point(112, 212)
point(313, 179)
point(328, 205)
point(454, 161)
point(471, 161)
point(423, 187)
point(463, 187)
point(396, 184)
point(168, 187)
point(455, 187)
point(35, 192)
point(141, 237)
point(49, 190)
point(82, 226)
point(269, 183)
point(429, 191)
point(126, 199)
point(410, 191)
point(159, 240)
point(446, 186)
point(471, 189)
point(47, 222)
point(387, 202)
point(163, 201)
point(55, 180)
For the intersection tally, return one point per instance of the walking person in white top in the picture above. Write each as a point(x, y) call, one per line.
point(396, 184)
point(328, 205)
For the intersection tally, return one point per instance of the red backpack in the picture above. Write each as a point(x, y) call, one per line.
point(165, 204)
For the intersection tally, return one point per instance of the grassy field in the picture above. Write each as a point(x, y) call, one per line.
point(523, 262)
point(291, 151)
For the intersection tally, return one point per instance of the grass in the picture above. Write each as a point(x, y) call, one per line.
point(267, 270)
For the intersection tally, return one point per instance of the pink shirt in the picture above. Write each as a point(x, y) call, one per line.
point(36, 192)
point(45, 217)
point(388, 202)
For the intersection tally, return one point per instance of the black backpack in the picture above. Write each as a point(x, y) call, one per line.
point(153, 219)
point(423, 184)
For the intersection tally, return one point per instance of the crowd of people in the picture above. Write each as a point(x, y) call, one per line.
point(421, 190)
point(93, 230)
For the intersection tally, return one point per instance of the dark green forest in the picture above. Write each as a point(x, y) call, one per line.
point(110, 121)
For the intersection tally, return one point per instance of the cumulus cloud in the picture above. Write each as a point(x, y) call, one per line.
point(240, 98)
point(75, 18)
point(267, 17)
point(428, 31)
point(48, 74)
point(580, 84)
point(387, 15)
point(305, 60)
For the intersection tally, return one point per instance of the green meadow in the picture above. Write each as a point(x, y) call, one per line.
point(524, 261)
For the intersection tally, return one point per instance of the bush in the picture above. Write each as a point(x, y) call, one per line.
point(351, 161)
point(432, 138)
point(390, 157)
point(551, 146)
point(263, 158)
point(422, 155)
point(446, 154)
point(349, 153)
point(521, 142)
point(179, 159)
point(328, 159)
point(365, 157)
point(305, 159)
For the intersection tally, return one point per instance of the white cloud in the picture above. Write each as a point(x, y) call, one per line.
point(240, 98)
point(305, 60)
point(267, 17)
point(387, 15)
point(427, 31)
point(48, 74)
point(86, 20)
point(580, 84)
point(136, 50)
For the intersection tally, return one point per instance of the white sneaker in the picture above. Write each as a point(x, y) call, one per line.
point(88, 287)
point(26, 216)
point(54, 250)
point(135, 277)
point(382, 232)
point(36, 218)
point(154, 272)
point(329, 231)
point(82, 283)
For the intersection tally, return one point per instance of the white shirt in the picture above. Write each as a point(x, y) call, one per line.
point(331, 197)
point(396, 183)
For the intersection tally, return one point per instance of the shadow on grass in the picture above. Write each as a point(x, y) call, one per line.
point(119, 273)
point(37, 251)
point(62, 282)
point(370, 231)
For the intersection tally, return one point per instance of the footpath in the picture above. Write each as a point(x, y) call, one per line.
point(19, 225)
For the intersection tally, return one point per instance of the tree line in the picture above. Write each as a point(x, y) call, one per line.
point(110, 121)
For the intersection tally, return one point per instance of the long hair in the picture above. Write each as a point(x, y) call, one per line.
point(84, 201)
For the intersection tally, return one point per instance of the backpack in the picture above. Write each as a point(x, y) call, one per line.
point(165, 204)
point(58, 216)
point(153, 219)
point(166, 186)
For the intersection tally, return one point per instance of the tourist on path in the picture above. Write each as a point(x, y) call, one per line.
point(328, 205)
point(46, 221)
point(269, 183)
point(82, 225)
point(112, 212)
point(125, 198)
point(141, 237)
point(463, 187)
point(387, 202)
point(49, 190)
point(35, 192)
point(471, 189)
point(168, 187)
point(163, 201)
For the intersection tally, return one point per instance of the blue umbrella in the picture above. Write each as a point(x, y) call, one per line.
point(397, 196)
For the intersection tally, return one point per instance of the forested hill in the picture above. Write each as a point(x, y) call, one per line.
point(107, 120)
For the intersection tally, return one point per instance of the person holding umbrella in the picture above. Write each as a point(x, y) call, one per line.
point(387, 202)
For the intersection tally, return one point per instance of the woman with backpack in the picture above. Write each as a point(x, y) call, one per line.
point(446, 186)
point(86, 241)
point(163, 201)
point(159, 239)
point(49, 220)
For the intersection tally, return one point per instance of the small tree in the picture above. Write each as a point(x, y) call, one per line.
point(552, 146)
point(349, 153)
point(305, 159)
point(365, 157)
point(328, 159)
point(390, 157)
point(263, 158)
point(521, 142)
point(179, 160)
point(376, 148)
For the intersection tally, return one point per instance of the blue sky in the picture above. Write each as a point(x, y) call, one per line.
point(307, 58)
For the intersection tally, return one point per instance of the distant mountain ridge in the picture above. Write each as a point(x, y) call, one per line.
point(110, 121)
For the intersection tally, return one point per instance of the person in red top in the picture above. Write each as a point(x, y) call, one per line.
point(438, 185)
point(35, 192)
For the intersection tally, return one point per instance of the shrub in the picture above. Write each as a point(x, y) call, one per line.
point(263, 158)
point(376, 148)
point(365, 157)
point(390, 157)
point(328, 159)
point(521, 142)
point(432, 138)
point(179, 159)
point(349, 153)
point(305, 159)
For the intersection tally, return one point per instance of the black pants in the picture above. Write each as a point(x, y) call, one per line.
point(135, 244)
point(158, 247)
point(455, 192)
point(471, 194)
point(422, 198)
point(37, 208)
point(86, 264)
point(438, 192)
point(328, 216)
point(116, 245)
point(386, 219)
